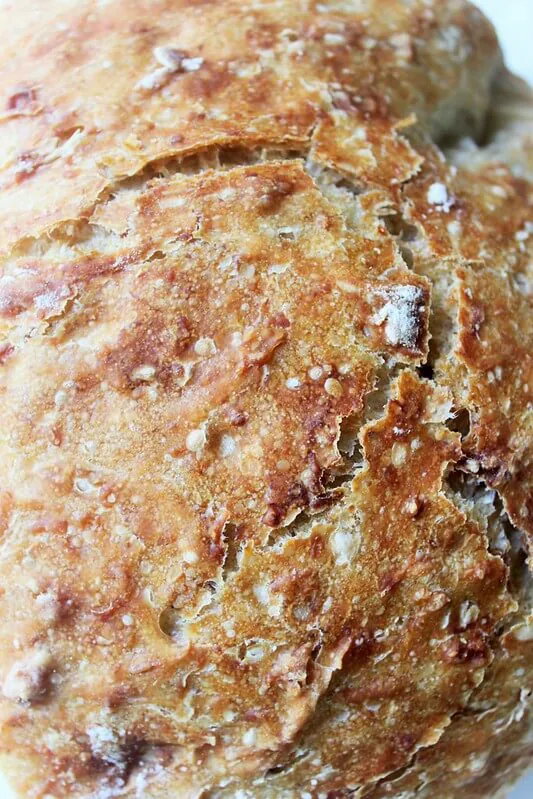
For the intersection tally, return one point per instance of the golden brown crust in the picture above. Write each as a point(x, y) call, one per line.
point(230, 242)
point(174, 77)
point(486, 747)
point(484, 249)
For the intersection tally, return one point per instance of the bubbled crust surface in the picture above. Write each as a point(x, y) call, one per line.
point(233, 257)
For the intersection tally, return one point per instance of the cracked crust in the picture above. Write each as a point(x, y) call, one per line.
point(264, 73)
point(248, 547)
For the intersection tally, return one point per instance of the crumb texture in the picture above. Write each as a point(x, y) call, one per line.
point(265, 378)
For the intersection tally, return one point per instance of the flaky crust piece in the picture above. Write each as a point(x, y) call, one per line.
point(265, 375)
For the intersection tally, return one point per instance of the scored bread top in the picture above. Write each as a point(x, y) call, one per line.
point(93, 92)
point(266, 398)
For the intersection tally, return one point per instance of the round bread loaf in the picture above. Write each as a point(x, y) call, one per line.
point(266, 379)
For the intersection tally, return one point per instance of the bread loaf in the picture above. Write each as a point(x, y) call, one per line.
point(265, 382)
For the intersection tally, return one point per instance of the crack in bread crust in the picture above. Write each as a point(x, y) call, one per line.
point(247, 545)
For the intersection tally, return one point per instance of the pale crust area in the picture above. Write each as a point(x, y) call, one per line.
point(265, 378)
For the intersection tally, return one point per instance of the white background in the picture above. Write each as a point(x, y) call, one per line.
point(514, 22)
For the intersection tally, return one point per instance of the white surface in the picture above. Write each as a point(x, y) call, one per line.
point(514, 22)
